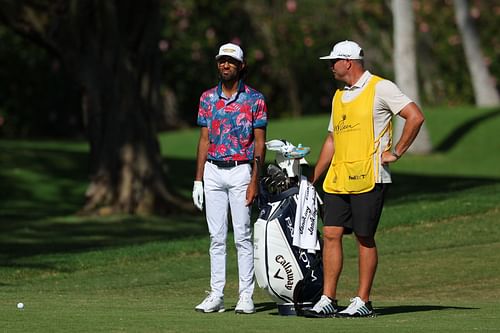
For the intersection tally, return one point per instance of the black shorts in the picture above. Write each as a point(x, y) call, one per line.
point(355, 212)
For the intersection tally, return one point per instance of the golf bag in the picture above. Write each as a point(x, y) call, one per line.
point(291, 275)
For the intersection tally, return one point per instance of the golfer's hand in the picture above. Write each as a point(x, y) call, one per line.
point(252, 192)
point(198, 194)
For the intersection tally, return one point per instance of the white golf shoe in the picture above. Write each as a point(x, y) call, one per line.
point(357, 308)
point(245, 304)
point(324, 308)
point(211, 303)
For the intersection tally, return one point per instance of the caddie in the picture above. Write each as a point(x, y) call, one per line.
point(357, 153)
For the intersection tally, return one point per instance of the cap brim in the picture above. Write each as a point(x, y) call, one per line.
point(329, 57)
point(332, 58)
point(217, 57)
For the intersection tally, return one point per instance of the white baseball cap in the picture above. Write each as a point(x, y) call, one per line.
point(231, 50)
point(345, 50)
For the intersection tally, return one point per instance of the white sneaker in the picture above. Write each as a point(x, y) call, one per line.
point(357, 308)
point(324, 308)
point(245, 304)
point(211, 303)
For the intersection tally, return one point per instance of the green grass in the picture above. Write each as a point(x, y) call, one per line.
point(438, 242)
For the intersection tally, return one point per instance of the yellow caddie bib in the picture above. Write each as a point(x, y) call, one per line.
point(352, 169)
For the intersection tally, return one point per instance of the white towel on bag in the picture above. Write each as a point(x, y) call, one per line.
point(306, 217)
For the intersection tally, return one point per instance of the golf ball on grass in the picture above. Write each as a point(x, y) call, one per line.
point(20, 305)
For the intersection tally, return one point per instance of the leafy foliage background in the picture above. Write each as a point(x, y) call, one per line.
point(282, 40)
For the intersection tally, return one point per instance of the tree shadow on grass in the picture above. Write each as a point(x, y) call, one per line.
point(406, 186)
point(34, 222)
point(379, 311)
point(392, 310)
point(70, 235)
point(37, 183)
point(454, 137)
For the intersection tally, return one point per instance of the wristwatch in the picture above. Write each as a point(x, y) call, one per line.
point(396, 155)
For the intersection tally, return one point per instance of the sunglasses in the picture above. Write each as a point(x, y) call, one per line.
point(334, 61)
point(221, 61)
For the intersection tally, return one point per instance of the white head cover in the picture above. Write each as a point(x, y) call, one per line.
point(288, 157)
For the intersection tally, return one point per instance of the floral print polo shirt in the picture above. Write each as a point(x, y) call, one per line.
point(231, 120)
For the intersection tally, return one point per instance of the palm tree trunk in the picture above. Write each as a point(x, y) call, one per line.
point(405, 68)
point(485, 91)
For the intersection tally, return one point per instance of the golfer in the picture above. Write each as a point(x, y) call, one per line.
point(233, 120)
point(357, 153)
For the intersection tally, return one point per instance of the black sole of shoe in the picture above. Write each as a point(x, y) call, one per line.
point(319, 315)
point(372, 315)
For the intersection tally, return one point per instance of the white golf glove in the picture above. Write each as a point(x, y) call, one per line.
point(198, 194)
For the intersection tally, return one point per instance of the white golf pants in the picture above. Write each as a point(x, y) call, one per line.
point(226, 188)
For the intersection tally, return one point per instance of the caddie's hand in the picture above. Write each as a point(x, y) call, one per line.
point(388, 157)
point(198, 194)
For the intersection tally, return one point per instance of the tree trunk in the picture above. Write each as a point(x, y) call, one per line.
point(485, 91)
point(110, 47)
point(405, 69)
